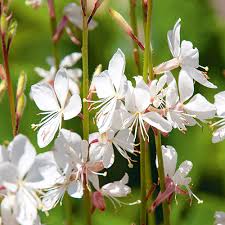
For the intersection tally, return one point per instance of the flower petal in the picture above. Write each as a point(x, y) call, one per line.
point(186, 86)
point(61, 86)
point(218, 135)
point(22, 154)
point(116, 68)
point(70, 60)
point(73, 107)
point(44, 97)
point(75, 189)
point(220, 103)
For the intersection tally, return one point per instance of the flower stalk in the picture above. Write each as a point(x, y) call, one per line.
point(166, 210)
point(53, 23)
point(8, 77)
point(87, 199)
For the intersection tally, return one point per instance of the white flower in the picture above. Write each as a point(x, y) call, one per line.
point(67, 62)
point(75, 168)
point(182, 113)
point(186, 57)
point(102, 145)
point(21, 179)
point(137, 102)
point(114, 190)
point(56, 105)
point(74, 14)
point(34, 3)
point(219, 218)
point(219, 133)
point(111, 86)
point(175, 179)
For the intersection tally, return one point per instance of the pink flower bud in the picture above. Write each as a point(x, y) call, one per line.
point(98, 201)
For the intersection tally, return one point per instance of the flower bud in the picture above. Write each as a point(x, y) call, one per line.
point(21, 85)
point(3, 23)
point(97, 4)
point(3, 87)
point(98, 70)
point(98, 201)
point(21, 103)
point(125, 26)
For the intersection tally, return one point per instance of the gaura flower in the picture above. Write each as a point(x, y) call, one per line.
point(137, 102)
point(219, 133)
point(56, 104)
point(110, 86)
point(22, 182)
point(174, 179)
point(76, 166)
point(74, 14)
point(102, 145)
point(219, 218)
point(34, 3)
point(112, 191)
point(186, 57)
point(74, 74)
point(181, 113)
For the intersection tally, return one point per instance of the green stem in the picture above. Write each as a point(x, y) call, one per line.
point(166, 210)
point(133, 19)
point(53, 24)
point(87, 199)
point(9, 84)
point(68, 210)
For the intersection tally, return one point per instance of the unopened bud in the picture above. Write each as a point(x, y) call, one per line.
point(98, 70)
point(21, 85)
point(125, 26)
point(2, 72)
point(97, 4)
point(4, 23)
point(21, 103)
point(3, 87)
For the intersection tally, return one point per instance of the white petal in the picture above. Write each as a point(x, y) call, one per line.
point(173, 37)
point(4, 154)
point(108, 156)
point(73, 107)
point(70, 60)
point(171, 97)
point(43, 73)
point(75, 189)
point(44, 97)
point(61, 86)
point(8, 173)
point(199, 77)
point(22, 154)
point(186, 86)
point(103, 85)
point(184, 169)
point(157, 121)
point(200, 107)
point(142, 99)
point(93, 178)
point(189, 55)
point(47, 132)
point(74, 87)
point(116, 68)
point(125, 179)
point(169, 160)
point(218, 135)
point(220, 103)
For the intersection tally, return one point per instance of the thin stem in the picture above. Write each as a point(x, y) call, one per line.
point(133, 19)
point(166, 210)
point(87, 199)
point(53, 23)
point(9, 84)
point(68, 210)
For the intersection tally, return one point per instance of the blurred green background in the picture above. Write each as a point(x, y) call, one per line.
point(203, 25)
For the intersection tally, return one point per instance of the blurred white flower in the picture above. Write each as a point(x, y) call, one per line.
point(74, 74)
point(219, 133)
point(22, 181)
point(175, 179)
point(74, 14)
point(56, 104)
point(75, 166)
point(110, 86)
point(34, 3)
point(219, 218)
point(187, 58)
